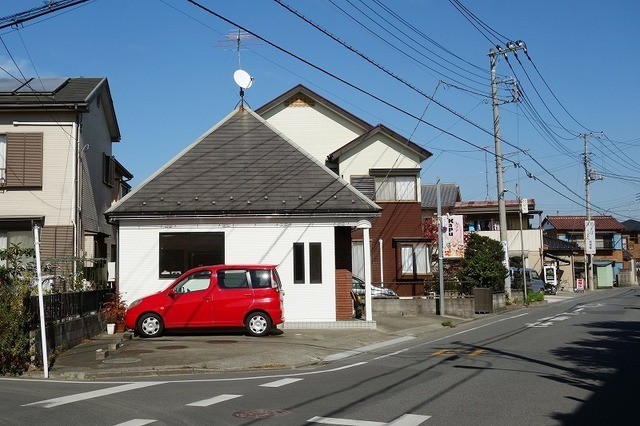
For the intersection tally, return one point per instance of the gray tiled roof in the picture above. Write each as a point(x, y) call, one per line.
point(449, 194)
point(74, 91)
point(243, 167)
point(631, 225)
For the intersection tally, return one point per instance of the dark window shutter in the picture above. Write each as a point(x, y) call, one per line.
point(365, 184)
point(24, 160)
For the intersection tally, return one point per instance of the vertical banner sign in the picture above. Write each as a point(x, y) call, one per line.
point(452, 236)
point(590, 236)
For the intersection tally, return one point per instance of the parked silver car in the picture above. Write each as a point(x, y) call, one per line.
point(376, 292)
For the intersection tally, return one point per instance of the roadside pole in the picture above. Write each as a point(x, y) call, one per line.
point(43, 331)
point(440, 254)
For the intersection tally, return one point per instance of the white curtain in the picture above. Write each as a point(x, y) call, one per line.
point(3, 158)
point(385, 189)
point(407, 259)
point(405, 188)
point(357, 258)
point(422, 265)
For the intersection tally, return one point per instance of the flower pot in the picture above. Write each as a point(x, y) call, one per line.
point(111, 328)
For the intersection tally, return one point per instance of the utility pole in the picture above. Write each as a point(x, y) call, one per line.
point(589, 249)
point(502, 211)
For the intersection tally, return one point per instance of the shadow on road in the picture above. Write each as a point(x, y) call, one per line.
point(609, 366)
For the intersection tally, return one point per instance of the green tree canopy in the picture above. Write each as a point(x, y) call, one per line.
point(482, 265)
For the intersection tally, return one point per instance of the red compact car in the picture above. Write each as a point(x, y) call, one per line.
point(230, 296)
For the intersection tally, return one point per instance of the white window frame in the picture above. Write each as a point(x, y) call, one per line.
point(396, 188)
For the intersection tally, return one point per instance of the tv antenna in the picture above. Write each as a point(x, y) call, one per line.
point(242, 78)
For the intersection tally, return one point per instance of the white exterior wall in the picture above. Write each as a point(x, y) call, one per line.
point(532, 242)
point(316, 129)
point(269, 243)
point(55, 199)
point(377, 153)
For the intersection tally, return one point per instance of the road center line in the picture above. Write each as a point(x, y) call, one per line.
point(278, 383)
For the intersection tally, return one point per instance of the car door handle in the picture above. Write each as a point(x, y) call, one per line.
point(248, 295)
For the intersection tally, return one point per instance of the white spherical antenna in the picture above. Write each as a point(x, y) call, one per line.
point(242, 79)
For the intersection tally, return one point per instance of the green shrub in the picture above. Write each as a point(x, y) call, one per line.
point(14, 339)
point(14, 318)
point(534, 297)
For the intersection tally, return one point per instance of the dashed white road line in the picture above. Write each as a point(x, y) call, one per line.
point(215, 400)
point(405, 420)
point(278, 383)
point(54, 402)
point(136, 422)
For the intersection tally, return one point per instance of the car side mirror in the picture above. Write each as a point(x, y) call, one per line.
point(171, 294)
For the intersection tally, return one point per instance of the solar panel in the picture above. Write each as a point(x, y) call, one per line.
point(42, 85)
point(9, 85)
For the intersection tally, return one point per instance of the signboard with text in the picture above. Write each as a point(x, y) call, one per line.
point(452, 236)
point(590, 236)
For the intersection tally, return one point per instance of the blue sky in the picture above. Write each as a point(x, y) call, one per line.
point(170, 71)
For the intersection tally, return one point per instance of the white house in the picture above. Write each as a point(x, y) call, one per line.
point(244, 193)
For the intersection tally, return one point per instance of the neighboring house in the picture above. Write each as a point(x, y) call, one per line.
point(609, 256)
point(57, 167)
point(244, 193)
point(380, 163)
point(630, 240)
point(563, 255)
point(483, 217)
point(449, 196)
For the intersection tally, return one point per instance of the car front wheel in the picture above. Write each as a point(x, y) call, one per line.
point(258, 324)
point(150, 325)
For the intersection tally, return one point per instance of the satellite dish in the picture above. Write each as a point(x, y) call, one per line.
point(242, 79)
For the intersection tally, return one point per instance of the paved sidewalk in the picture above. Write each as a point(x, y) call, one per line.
point(130, 356)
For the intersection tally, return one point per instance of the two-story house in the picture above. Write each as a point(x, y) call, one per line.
point(57, 167)
point(609, 256)
point(483, 217)
point(380, 163)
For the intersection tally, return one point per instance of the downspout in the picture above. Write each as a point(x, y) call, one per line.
point(381, 264)
point(74, 201)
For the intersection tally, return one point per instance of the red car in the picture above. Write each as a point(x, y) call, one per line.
point(229, 296)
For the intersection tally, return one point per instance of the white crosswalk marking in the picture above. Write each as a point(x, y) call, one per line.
point(214, 400)
point(48, 403)
point(279, 383)
point(405, 420)
point(136, 422)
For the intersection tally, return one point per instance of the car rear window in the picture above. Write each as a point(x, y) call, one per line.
point(260, 278)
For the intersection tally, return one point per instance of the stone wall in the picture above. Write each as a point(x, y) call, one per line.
point(67, 334)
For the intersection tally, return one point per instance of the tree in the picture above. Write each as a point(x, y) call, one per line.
point(482, 265)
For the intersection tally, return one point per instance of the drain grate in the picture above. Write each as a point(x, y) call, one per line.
point(260, 413)
point(120, 360)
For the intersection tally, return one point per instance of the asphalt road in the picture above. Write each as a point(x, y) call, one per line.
point(573, 362)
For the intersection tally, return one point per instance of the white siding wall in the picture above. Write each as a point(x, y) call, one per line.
point(262, 243)
point(315, 129)
point(55, 199)
point(532, 242)
point(377, 153)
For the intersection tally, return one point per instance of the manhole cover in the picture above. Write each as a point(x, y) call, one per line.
point(137, 351)
point(172, 347)
point(213, 342)
point(121, 360)
point(260, 414)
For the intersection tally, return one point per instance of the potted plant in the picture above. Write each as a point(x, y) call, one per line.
point(113, 311)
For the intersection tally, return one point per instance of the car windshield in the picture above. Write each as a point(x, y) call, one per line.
point(534, 275)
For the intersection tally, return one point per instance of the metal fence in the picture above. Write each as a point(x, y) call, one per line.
point(62, 306)
point(74, 274)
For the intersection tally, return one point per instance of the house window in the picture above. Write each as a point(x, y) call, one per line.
point(357, 258)
point(21, 160)
point(181, 251)
point(298, 263)
point(315, 263)
point(108, 169)
point(396, 188)
point(415, 259)
point(3, 159)
point(634, 237)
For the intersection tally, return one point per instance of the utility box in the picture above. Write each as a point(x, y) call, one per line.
point(483, 300)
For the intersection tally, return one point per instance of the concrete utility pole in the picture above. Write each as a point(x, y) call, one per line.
point(502, 211)
point(589, 176)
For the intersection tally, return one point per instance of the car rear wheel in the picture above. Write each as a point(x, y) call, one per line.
point(258, 324)
point(150, 325)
